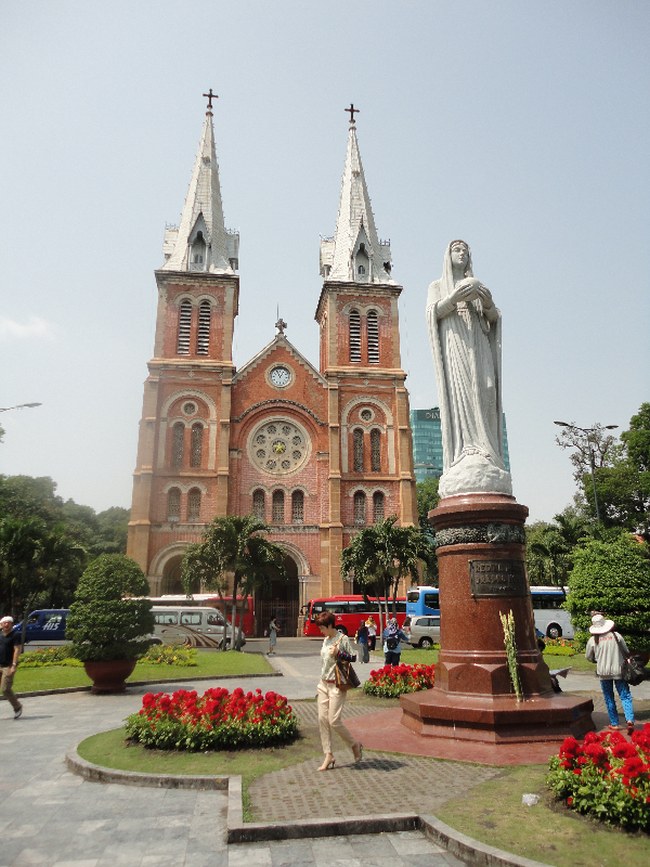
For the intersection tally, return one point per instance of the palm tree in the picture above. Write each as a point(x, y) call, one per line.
point(384, 553)
point(232, 545)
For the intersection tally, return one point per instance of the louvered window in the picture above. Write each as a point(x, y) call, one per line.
point(355, 336)
point(194, 505)
point(375, 450)
point(184, 328)
point(259, 505)
point(174, 504)
point(196, 449)
point(377, 507)
point(203, 338)
point(373, 338)
point(178, 441)
point(297, 507)
point(357, 450)
point(278, 508)
point(359, 509)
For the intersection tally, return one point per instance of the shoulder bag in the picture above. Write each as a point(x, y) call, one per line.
point(632, 669)
point(344, 675)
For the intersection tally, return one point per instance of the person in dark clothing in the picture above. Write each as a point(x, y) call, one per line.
point(9, 653)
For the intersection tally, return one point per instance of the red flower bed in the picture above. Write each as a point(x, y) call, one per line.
point(394, 680)
point(216, 720)
point(606, 776)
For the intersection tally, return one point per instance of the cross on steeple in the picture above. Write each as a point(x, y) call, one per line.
point(280, 325)
point(210, 96)
point(352, 110)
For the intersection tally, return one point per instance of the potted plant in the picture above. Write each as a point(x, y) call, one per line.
point(109, 622)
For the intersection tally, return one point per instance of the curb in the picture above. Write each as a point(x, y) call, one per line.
point(460, 845)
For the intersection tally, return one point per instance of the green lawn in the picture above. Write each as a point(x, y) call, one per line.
point(210, 664)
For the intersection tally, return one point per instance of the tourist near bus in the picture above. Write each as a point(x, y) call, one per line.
point(393, 637)
point(608, 650)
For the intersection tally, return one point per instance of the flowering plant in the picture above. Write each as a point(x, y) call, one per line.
point(216, 720)
point(394, 680)
point(606, 776)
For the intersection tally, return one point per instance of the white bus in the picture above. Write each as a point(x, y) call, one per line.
point(550, 618)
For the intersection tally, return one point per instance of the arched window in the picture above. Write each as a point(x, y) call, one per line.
point(259, 504)
point(197, 253)
point(196, 447)
point(277, 514)
point(178, 442)
point(375, 450)
point(359, 509)
point(377, 507)
point(174, 504)
point(297, 507)
point(357, 450)
point(373, 338)
point(355, 335)
point(194, 505)
point(184, 328)
point(203, 336)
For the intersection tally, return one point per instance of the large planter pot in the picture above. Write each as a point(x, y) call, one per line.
point(109, 675)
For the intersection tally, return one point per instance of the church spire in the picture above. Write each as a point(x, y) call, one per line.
point(201, 241)
point(355, 253)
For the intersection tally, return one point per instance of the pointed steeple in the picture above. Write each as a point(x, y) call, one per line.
point(355, 253)
point(201, 241)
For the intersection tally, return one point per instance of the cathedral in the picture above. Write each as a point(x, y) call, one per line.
point(316, 452)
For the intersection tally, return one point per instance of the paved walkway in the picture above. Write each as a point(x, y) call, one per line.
point(49, 816)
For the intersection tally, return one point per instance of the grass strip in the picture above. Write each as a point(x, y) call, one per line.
point(210, 664)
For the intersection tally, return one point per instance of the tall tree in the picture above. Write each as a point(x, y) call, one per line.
point(381, 555)
point(232, 546)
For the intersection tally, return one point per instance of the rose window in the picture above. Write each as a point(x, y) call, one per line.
point(279, 447)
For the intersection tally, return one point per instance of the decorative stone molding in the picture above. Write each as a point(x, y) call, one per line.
point(496, 534)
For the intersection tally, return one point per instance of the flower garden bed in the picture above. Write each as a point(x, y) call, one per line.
point(216, 720)
point(392, 681)
point(606, 776)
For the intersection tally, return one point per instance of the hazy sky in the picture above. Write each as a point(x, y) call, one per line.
point(522, 127)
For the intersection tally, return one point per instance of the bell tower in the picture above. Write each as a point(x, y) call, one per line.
point(371, 465)
point(182, 473)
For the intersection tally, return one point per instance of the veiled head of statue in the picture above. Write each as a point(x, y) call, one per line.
point(460, 255)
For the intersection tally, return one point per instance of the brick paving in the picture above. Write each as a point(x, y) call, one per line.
point(413, 783)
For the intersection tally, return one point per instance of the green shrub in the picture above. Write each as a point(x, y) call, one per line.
point(107, 619)
point(164, 654)
point(61, 655)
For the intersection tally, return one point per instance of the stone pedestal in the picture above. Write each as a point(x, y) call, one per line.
point(482, 574)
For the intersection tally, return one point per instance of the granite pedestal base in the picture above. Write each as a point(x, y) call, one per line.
point(481, 549)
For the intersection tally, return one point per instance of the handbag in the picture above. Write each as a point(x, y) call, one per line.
point(632, 669)
point(345, 676)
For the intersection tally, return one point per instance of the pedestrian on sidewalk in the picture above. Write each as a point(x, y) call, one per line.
point(330, 698)
point(272, 630)
point(608, 650)
point(361, 638)
point(9, 653)
point(393, 638)
point(372, 632)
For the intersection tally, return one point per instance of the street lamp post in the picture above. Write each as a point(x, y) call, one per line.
point(588, 431)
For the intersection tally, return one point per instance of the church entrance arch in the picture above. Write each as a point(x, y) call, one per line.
point(280, 597)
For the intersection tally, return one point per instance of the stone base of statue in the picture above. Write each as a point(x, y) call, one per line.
point(482, 575)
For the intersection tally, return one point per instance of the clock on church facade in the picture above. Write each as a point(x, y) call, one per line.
point(317, 450)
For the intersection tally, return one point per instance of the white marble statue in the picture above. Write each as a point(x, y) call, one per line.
point(465, 333)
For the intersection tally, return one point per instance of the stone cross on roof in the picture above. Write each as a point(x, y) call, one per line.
point(280, 325)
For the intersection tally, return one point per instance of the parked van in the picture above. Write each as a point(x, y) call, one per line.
point(46, 624)
point(194, 626)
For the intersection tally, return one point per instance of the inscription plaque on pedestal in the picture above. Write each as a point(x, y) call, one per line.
point(497, 578)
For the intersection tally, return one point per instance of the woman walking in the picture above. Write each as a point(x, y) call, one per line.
point(330, 698)
point(608, 650)
point(273, 635)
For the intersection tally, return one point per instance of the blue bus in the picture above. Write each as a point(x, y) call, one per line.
point(422, 600)
point(550, 617)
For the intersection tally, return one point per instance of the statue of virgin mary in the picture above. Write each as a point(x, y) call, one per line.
point(465, 334)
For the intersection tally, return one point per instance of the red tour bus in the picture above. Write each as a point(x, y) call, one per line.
point(245, 607)
point(349, 611)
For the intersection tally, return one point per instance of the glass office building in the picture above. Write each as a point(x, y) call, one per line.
point(427, 443)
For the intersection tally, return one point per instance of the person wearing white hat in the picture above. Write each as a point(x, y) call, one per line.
point(608, 650)
point(9, 653)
